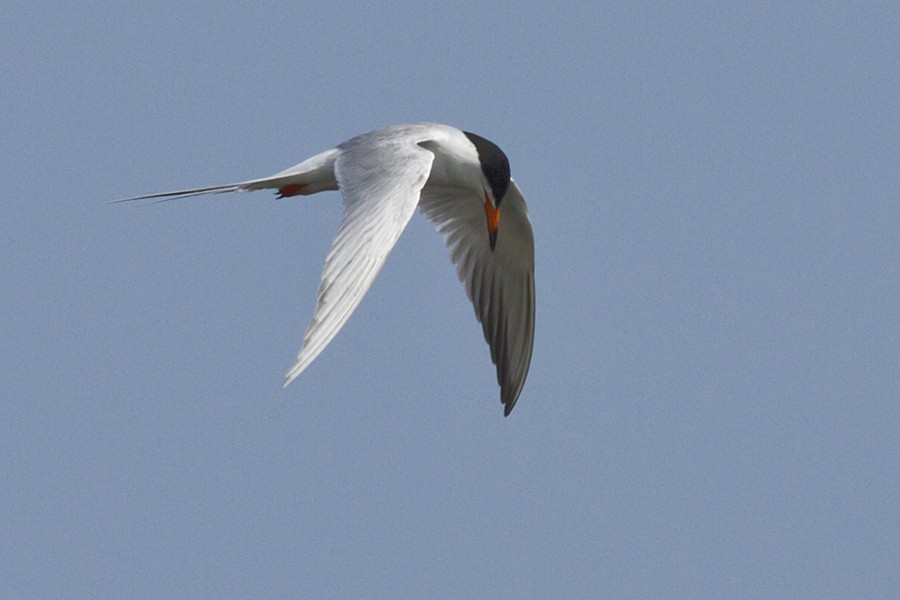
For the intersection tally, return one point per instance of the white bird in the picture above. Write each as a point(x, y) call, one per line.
point(461, 182)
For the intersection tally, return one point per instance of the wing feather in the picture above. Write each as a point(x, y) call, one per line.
point(380, 196)
point(500, 284)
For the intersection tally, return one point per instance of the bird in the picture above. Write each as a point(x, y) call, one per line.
point(461, 182)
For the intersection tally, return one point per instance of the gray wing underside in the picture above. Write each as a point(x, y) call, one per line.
point(500, 284)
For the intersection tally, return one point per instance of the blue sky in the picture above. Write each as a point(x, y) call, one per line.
point(712, 409)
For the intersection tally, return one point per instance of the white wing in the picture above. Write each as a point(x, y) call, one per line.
point(380, 181)
point(500, 284)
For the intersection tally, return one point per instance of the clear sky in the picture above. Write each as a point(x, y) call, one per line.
point(712, 409)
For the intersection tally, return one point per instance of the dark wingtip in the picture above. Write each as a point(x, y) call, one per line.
point(508, 405)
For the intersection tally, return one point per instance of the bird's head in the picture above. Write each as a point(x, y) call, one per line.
point(495, 175)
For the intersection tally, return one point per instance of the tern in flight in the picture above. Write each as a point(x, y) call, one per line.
point(461, 182)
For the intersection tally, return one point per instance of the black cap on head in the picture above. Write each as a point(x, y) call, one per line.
point(494, 165)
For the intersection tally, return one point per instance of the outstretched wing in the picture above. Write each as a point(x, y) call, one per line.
point(500, 284)
point(380, 181)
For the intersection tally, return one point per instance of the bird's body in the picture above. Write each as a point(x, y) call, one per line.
point(461, 183)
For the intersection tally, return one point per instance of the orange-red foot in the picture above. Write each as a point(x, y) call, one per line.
point(291, 189)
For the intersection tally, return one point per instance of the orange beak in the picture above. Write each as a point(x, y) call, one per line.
point(493, 220)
